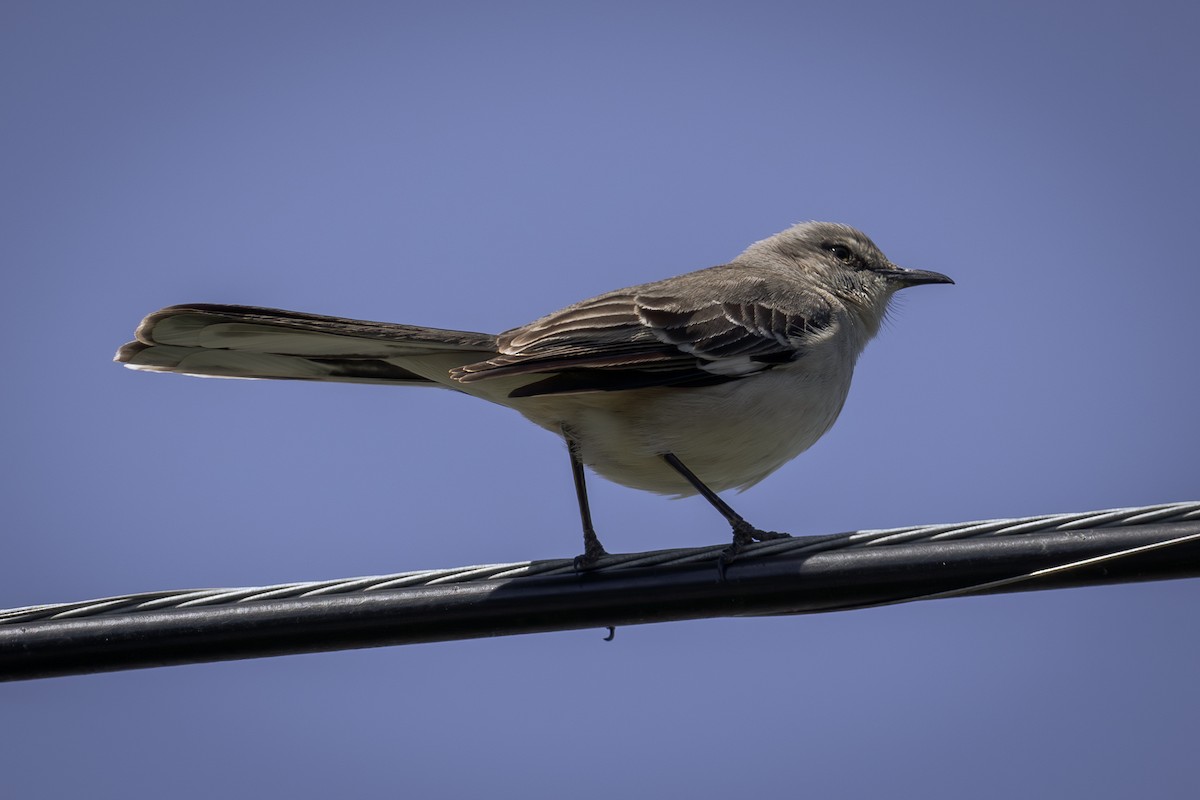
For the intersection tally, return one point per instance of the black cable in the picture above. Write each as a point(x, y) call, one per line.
point(890, 568)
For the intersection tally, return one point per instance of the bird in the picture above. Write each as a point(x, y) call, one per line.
point(696, 384)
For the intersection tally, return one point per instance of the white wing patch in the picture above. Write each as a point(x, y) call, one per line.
point(733, 366)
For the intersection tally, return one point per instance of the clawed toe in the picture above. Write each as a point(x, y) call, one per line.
point(744, 534)
point(589, 558)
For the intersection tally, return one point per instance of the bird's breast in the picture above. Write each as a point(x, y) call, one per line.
point(731, 435)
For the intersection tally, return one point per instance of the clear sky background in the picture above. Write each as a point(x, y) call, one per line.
point(476, 165)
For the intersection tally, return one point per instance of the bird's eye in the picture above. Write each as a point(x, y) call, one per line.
point(840, 252)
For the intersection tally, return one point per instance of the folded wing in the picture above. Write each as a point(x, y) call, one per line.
point(626, 340)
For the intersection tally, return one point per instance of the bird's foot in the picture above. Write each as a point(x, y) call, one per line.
point(744, 534)
point(593, 551)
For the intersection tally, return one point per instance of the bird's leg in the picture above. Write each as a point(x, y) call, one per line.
point(743, 532)
point(593, 551)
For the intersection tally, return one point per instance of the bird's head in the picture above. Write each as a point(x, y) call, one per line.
point(842, 262)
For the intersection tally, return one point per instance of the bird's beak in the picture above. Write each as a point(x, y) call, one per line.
point(914, 277)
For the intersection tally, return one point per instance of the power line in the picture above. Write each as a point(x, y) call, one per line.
point(791, 576)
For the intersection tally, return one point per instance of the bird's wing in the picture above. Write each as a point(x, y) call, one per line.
point(249, 342)
point(633, 339)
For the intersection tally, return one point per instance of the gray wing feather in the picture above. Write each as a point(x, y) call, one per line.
point(675, 341)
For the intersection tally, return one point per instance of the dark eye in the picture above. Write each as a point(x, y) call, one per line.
point(840, 252)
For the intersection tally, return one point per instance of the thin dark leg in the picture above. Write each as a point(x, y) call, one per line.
point(743, 532)
point(592, 549)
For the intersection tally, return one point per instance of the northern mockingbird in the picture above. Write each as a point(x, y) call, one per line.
point(694, 384)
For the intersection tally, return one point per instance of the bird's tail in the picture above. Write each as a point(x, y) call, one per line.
point(246, 342)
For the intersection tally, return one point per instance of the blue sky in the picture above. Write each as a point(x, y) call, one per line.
point(476, 165)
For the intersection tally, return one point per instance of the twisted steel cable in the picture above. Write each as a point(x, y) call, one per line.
point(781, 548)
point(789, 576)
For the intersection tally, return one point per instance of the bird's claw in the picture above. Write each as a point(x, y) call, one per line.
point(593, 551)
point(744, 534)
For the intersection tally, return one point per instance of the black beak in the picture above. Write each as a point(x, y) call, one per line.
point(913, 277)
